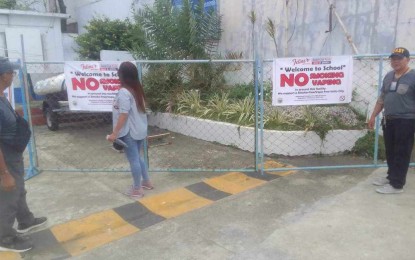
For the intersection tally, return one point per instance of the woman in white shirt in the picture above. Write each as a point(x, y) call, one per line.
point(130, 125)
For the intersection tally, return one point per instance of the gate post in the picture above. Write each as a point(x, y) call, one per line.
point(376, 146)
point(33, 160)
point(145, 143)
point(259, 116)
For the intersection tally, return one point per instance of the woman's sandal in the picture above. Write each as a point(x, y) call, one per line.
point(147, 187)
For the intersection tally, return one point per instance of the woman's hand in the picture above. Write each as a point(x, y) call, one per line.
point(111, 138)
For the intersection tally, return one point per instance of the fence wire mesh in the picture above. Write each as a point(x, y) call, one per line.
point(323, 130)
point(68, 140)
point(206, 112)
point(202, 117)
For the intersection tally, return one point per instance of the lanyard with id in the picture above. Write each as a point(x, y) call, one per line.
point(395, 84)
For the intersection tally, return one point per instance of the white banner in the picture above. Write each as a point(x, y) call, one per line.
point(312, 80)
point(9, 94)
point(91, 85)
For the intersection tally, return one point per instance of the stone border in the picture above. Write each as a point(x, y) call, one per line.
point(289, 143)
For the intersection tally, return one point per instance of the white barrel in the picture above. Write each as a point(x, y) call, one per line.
point(50, 85)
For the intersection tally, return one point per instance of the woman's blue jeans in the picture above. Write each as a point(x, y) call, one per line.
point(137, 165)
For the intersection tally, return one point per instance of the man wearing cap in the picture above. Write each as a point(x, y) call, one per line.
point(397, 99)
point(13, 204)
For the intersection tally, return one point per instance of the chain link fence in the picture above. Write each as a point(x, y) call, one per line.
point(205, 111)
point(68, 140)
point(326, 130)
point(202, 118)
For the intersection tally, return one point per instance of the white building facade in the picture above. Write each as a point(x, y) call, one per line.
point(41, 33)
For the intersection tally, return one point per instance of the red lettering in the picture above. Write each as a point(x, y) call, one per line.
point(90, 83)
point(301, 79)
point(287, 80)
point(326, 82)
point(111, 87)
point(109, 81)
point(78, 84)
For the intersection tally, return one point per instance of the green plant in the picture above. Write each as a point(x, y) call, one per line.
point(162, 85)
point(218, 107)
point(189, 103)
point(267, 90)
point(364, 146)
point(241, 112)
point(278, 121)
point(21, 4)
point(206, 77)
point(312, 121)
point(177, 33)
point(241, 91)
point(8, 4)
point(271, 29)
point(105, 34)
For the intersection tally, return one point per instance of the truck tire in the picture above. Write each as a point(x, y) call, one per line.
point(52, 119)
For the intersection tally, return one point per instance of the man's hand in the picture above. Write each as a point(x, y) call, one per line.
point(7, 182)
point(371, 123)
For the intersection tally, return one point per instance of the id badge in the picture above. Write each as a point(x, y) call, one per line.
point(393, 87)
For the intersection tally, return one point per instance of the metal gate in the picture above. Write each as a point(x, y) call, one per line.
point(207, 116)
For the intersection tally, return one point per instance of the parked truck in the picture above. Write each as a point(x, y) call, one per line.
point(55, 105)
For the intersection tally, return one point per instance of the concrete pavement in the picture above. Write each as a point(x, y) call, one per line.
point(307, 215)
point(302, 216)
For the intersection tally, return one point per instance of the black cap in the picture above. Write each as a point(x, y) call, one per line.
point(400, 52)
point(7, 66)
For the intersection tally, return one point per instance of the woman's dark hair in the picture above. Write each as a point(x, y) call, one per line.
point(128, 75)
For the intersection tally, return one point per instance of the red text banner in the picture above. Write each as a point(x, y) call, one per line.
point(91, 85)
point(312, 80)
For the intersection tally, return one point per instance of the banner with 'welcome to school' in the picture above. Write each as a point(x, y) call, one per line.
point(312, 80)
point(91, 85)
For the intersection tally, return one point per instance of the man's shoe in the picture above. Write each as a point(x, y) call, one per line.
point(380, 181)
point(388, 189)
point(17, 244)
point(21, 228)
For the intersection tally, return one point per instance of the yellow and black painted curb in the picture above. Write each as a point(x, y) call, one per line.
point(79, 236)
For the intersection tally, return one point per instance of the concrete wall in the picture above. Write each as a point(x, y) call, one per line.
point(48, 25)
point(290, 143)
point(84, 10)
point(69, 46)
point(376, 26)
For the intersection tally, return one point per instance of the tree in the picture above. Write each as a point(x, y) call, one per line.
point(177, 33)
point(171, 33)
point(8, 4)
point(104, 34)
point(21, 4)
